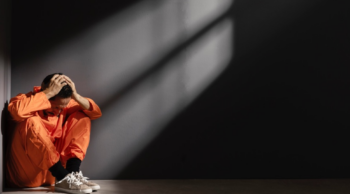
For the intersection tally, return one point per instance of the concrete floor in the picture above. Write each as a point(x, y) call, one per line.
point(216, 186)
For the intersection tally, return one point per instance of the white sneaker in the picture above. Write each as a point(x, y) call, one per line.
point(71, 184)
point(81, 178)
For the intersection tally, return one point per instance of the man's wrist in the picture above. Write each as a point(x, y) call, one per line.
point(83, 102)
point(75, 96)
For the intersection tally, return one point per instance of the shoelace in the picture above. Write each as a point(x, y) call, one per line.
point(71, 179)
point(81, 177)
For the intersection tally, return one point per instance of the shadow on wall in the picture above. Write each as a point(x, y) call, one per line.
point(46, 25)
point(3, 121)
point(280, 110)
point(7, 130)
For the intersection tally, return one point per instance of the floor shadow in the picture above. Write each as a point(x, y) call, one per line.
point(43, 189)
point(279, 111)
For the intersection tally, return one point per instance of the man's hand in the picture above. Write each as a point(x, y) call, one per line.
point(72, 85)
point(55, 86)
point(83, 102)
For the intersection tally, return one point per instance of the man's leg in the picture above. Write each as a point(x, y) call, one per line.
point(31, 155)
point(74, 143)
point(75, 140)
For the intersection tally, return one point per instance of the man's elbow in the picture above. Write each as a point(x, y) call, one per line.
point(96, 116)
point(16, 114)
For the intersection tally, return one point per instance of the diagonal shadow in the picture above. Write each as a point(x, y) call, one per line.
point(270, 114)
point(163, 61)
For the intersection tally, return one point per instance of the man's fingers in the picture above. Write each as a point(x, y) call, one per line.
point(59, 79)
point(69, 81)
point(54, 77)
point(67, 78)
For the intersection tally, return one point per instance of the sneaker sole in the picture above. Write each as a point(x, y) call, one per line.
point(73, 191)
point(94, 188)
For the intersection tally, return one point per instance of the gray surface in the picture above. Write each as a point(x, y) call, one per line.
point(237, 186)
point(5, 69)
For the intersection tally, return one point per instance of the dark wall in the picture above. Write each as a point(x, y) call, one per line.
point(280, 110)
point(39, 26)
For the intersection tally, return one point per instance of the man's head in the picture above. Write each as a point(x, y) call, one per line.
point(61, 100)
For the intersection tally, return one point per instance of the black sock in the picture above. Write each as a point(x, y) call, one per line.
point(73, 165)
point(58, 171)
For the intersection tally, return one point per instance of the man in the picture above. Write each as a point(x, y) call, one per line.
point(51, 136)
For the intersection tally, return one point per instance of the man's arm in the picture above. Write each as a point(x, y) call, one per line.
point(93, 112)
point(25, 105)
point(87, 105)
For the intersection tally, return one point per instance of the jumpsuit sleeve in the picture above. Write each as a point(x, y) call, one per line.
point(93, 113)
point(24, 106)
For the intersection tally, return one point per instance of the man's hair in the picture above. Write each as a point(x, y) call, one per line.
point(65, 92)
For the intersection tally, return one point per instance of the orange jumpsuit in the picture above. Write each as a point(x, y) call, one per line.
point(39, 140)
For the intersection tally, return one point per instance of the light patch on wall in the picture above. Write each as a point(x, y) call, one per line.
point(138, 117)
point(208, 57)
point(199, 12)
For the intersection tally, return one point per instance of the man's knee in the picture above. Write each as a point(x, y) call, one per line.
point(79, 120)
